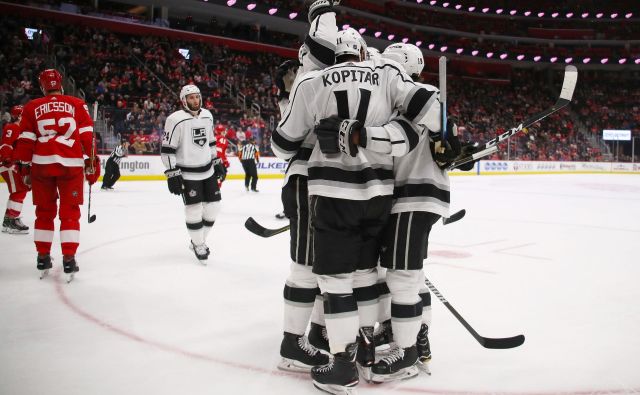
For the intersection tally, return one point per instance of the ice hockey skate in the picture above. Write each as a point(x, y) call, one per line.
point(298, 355)
point(340, 375)
point(14, 226)
point(383, 334)
point(70, 267)
point(399, 364)
point(44, 264)
point(318, 337)
point(281, 215)
point(202, 252)
point(424, 349)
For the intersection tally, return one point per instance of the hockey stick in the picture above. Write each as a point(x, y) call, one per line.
point(442, 76)
point(568, 86)
point(454, 217)
point(255, 228)
point(92, 218)
point(486, 342)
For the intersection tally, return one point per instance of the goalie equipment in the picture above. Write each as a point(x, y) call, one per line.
point(408, 56)
point(186, 91)
point(319, 7)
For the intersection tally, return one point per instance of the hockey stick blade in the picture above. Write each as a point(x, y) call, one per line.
point(92, 219)
point(486, 342)
point(566, 94)
point(257, 229)
point(454, 217)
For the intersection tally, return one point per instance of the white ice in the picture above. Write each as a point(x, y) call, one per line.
point(554, 257)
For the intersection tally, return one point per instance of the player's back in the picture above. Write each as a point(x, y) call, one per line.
point(10, 133)
point(57, 123)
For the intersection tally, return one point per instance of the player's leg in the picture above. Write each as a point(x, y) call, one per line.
point(193, 196)
point(210, 205)
point(383, 334)
point(301, 286)
point(44, 194)
point(17, 193)
point(116, 174)
point(336, 249)
point(254, 176)
point(247, 175)
point(70, 186)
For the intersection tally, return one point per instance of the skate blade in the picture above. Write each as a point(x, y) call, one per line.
point(423, 365)
point(403, 374)
point(291, 365)
point(44, 273)
point(365, 372)
point(70, 277)
point(15, 231)
point(336, 389)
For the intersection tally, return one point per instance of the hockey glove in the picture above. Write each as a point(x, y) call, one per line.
point(219, 170)
point(24, 169)
point(92, 170)
point(175, 181)
point(319, 7)
point(6, 153)
point(337, 135)
point(468, 149)
point(285, 75)
point(445, 152)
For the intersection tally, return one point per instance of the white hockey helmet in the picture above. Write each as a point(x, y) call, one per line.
point(373, 53)
point(408, 55)
point(350, 42)
point(186, 91)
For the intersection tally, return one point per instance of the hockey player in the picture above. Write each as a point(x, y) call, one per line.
point(56, 151)
point(193, 168)
point(350, 189)
point(221, 148)
point(17, 188)
point(301, 301)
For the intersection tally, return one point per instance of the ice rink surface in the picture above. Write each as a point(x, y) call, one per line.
point(554, 257)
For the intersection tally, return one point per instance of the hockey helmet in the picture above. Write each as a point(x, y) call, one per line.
point(186, 91)
point(373, 53)
point(16, 111)
point(350, 42)
point(50, 80)
point(408, 55)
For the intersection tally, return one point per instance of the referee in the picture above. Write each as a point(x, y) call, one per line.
point(112, 168)
point(249, 156)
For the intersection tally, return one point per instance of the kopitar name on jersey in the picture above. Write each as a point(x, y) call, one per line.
point(341, 76)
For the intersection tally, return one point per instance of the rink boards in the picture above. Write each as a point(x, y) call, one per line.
point(150, 167)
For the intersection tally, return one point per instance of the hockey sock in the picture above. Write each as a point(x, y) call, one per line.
point(406, 305)
point(340, 310)
point(69, 228)
point(14, 204)
point(300, 292)
point(365, 290)
point(426, 302)
point(43, 233)
point(209, 215)
point(193, 216)
point(317, 314)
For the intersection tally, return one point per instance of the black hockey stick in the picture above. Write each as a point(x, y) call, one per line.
point(454, 217)
point(255, 228)
point(92, 218)
point(486, 342)
point(568, 86)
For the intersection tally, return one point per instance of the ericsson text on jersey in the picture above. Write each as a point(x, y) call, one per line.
point(339, 76)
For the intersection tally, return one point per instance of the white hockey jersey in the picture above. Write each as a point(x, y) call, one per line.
point(370, 91)
point(319, 54)
point(189, 144)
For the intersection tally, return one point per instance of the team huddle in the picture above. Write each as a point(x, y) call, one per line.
point(366, 181)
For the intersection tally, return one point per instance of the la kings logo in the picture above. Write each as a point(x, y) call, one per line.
point(199, 136)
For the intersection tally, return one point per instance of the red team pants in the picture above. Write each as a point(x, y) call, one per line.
point(17, 192)
point(48, 182)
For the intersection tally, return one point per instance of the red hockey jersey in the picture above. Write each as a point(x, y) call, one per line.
point(55, 129)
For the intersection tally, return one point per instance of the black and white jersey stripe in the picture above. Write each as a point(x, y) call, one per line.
point(117, 154)
point(248, 151)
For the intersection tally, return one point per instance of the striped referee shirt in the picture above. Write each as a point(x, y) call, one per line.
point(248, 151)
point(117, 154)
